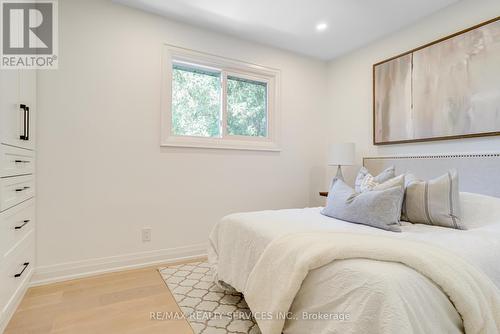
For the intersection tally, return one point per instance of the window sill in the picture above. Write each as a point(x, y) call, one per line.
point(224, 144)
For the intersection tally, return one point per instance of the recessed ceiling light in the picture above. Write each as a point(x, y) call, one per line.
point(321, 26)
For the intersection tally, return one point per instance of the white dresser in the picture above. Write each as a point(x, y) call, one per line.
point(17, 187)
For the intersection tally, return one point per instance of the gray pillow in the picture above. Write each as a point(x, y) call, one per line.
point(433, 202)
point(376, 208)
point(387, 174)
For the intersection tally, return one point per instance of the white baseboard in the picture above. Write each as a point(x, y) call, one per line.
point(78, 269)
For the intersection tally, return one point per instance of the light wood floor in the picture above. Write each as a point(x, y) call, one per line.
point(111, 303)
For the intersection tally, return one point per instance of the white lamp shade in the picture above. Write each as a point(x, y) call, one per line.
point(342, 154)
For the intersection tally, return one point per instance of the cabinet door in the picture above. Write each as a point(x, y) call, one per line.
point(11, 115)
point(27, 96)
point(17, 108)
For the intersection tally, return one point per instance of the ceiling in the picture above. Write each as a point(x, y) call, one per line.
point(291, 24)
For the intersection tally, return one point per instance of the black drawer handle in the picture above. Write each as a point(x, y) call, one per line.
point(22, 225)
point(22, 189)
point(27, 123)
point(26, 264)
point(24, 136)
point(21, 161)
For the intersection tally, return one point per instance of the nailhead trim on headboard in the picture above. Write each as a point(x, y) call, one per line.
point(441, 156)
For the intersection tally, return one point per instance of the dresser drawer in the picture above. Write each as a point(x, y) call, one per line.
point(15, 271)
point(14, 190)
point(15, 224)
point(16, 161)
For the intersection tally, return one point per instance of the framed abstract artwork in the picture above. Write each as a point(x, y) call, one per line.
point(446, 89)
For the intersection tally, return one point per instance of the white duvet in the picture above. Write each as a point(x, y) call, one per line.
point(377, 296)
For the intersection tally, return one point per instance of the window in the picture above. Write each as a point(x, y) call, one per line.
point(196, 102)
point(214, 102)
point(246, 107)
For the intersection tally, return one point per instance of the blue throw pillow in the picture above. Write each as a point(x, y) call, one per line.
point(376, 208)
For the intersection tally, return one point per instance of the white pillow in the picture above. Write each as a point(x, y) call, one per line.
point(365, 181)
point(479, 210)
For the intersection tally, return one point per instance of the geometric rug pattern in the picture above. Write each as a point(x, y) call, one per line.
point(208, 308)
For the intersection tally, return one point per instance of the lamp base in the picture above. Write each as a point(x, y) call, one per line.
point(339, 175)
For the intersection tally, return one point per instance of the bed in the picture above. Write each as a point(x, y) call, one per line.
point(363, 293)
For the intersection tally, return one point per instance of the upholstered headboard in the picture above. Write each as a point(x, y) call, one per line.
point(478, 173)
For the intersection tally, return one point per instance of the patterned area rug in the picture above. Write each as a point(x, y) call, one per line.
point(208, 308)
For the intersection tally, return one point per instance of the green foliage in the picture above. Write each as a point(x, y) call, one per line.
point(196, 105)
point(246, 108)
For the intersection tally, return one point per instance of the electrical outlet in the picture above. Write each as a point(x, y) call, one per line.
point(146, 234)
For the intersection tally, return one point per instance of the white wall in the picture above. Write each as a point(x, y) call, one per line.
point(350, 82)
point(102, 175)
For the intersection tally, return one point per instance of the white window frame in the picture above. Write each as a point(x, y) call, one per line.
point(228, 67)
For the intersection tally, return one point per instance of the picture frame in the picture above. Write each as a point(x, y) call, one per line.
point(428, 94)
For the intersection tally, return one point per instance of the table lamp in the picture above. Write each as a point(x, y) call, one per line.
point(341, 154)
